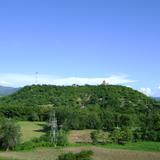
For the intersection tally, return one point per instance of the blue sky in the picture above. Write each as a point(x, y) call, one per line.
point(82, 41)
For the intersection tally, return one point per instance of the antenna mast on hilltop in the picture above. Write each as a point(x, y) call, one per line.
point(36, 77)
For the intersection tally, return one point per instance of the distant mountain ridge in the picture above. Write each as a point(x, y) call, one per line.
point(157, 98)
point(4, 91)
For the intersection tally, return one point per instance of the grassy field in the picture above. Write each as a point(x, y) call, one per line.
point(31, 129)
point(35, 129)
point(139, 146)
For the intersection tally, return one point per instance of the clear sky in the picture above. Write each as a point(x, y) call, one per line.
point(81, 41)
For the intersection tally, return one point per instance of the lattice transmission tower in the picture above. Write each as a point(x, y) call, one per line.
point(53, 128)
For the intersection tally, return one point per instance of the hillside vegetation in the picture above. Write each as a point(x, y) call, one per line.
point(104, 107)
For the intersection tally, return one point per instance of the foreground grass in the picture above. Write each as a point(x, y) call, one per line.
point(30, 130)
point(7, 159)
point(100, 153)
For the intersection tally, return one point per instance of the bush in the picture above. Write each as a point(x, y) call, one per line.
point(83, 155)
point(67, 156)
point(121, 136)
point(151, 135)
point(33, 117)
point(29, 145)
point(100, 137)
point(44, 141)
point(158, 136)
point(36, 142)
point(62, 139)
point(137, 134)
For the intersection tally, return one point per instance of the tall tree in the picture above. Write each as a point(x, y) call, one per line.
point(9, 134)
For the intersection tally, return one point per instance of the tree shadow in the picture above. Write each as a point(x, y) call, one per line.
point(44, 129)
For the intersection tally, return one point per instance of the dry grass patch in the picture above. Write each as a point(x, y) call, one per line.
point(80, 136)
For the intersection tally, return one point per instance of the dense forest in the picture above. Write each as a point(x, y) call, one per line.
point(103, 107)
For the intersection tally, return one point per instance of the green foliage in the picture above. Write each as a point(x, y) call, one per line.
point(67, 156)
point(9, 134)
point(100, 137)
point(62, 139)
point(121, 136)
point(118, 135)
point(29, 145)
point(83, 155)
point(33, 117)
point(44, 141)
point(137, 134)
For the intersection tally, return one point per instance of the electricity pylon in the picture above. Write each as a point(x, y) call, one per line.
point(54, 128)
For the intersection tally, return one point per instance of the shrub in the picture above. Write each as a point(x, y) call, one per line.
point(33, 117)
point(29, 145)
point(137, 134)
point(67, 156)
point(151, 135)
point(44, 141)
point(62, 139)
point(100, 137)
point(121, 136)
point(83, 155)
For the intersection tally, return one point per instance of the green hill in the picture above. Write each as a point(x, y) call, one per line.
point(85, 107)
point(75, 95)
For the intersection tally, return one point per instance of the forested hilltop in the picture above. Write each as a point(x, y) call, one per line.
point(87, 107)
